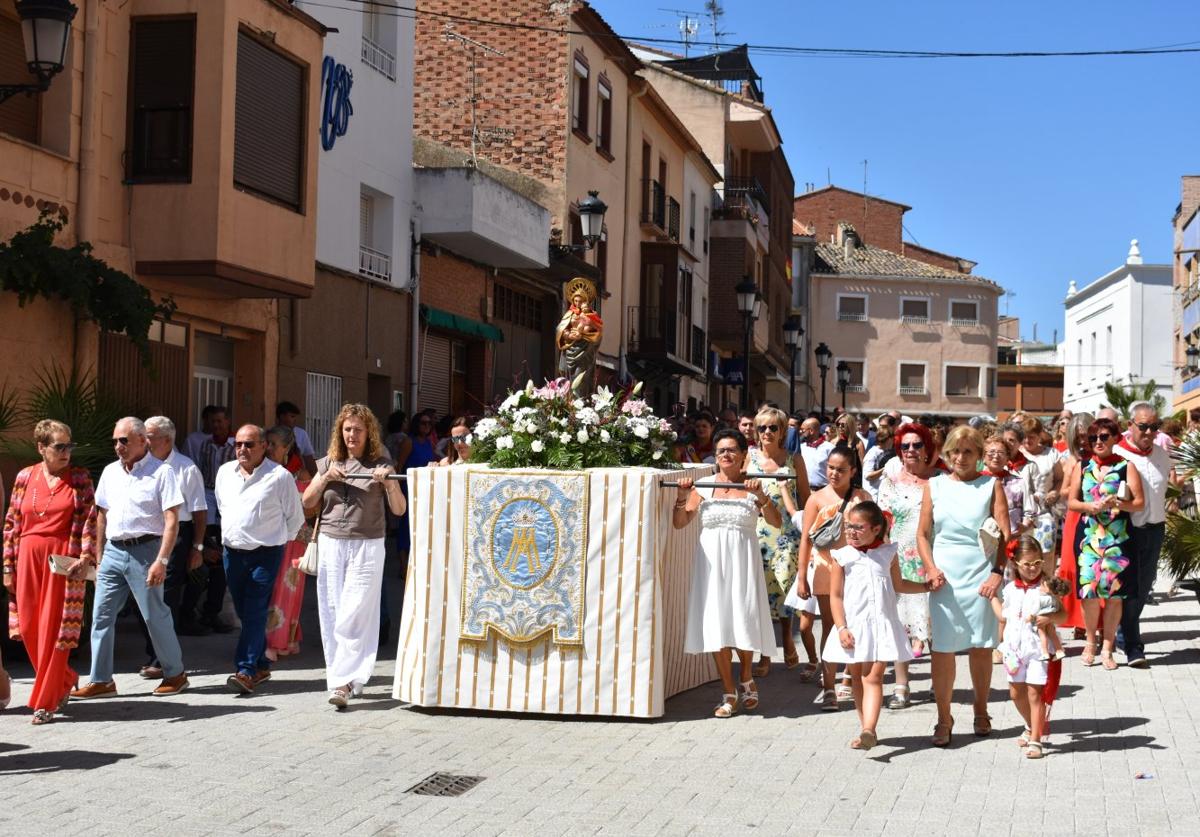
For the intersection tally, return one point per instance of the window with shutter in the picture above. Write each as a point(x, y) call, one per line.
point(18, 115)
point(161, 80)
point(268, 144)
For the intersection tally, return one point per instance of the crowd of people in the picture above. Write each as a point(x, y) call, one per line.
point(901, 538)
point(905, 537)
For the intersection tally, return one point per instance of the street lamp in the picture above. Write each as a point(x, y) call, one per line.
point(823, 357)
point(793, 332)
point(591, 226)
point(843, 380)
point(750, 304)
point(1193, 360)
point(46, 28)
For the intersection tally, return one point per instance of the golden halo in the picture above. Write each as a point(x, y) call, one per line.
point(580, 285)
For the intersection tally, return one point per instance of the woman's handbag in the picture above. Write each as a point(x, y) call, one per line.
point(61, 565)
point(827, 534)
point(308, 561)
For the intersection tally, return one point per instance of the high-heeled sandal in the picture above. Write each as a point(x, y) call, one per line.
point(983, 725)
point(829, 701)
point(1106, 660)
point(728, 706)
point(749, 698)
point(899, 698)
point(42, 717)
point(762, 668)
point(1089, 654)
point(943, 734)
point(791, 661)
point(809, 674)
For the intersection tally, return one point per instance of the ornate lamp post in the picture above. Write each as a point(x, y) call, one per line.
point(793, 333)
point(46, 29)
point(823, 357)
point(591, 225)
point(750, 304)
point(843, 380)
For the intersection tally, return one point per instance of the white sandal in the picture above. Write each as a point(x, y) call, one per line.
point(1023, 741)
point(340, 697)
point(1034, 750)
point(729, 705)
point(749, 699)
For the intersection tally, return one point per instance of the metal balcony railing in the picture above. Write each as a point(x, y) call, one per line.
point(654, 204)
point(673, 219)
point(911, 390)
point(852, 316)
point(654, 330)
point(374, 264)
point(915, 319)
point(964, 322)
point(378, 58)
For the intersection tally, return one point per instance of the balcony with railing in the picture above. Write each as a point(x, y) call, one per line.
point(912, 390)
point(657, 339)
point(378, 58)
point(654, 205)
point(374, 264)
point(744, 198)
point(673, 219)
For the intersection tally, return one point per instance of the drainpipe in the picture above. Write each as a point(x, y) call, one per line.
point(414, 366)
point(89, 176)
point(630, 195)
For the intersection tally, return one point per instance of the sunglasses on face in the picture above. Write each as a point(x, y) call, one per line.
point(459, 440)
point(854, 527)
point(912, 446)
point(1099, 437)
point(768, 428)
point(245, 444)
point(727, 452)
point(120, 440)
point(62, 447)
point(1146, 426)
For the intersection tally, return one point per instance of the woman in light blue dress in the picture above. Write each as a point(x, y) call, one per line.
point(964, 578)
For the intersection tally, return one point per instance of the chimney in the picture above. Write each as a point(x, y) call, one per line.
point(1071, 289)
point(1035, 332)
point(1135, 253)
point(848, 238)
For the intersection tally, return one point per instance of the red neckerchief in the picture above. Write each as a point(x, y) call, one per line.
point(1019, 461)
point(1001, 474)
point(878, 542)
point(1132, 448)
point(1024, 585)
point(1061, 445)
point(1111, 459)
point(816, 443)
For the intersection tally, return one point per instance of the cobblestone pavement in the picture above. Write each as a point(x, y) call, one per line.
point(284, 762)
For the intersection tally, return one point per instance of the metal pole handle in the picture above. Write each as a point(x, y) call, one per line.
point(367, 476)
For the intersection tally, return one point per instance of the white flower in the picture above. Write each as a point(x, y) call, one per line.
point(582, 436)
point(641, 431)
point(657, 455)
point(510, 402)
point(565, 438)
point(504, 443)
point(588, 416)
point(605, 436)
point(601, 398)
point(485, 428)
point(536, 446)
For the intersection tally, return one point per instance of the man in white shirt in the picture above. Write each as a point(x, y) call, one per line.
point(137, 521)
point(288, 414)
point(187, 553)
point(260, 512)
point(1148, 525)
point(815, 450)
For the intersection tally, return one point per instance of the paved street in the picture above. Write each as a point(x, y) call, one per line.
point(284, 762)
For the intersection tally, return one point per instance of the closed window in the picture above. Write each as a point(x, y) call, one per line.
point(858, 375)
point(914, 310)
point(912, 379)
point(579, 94)
point(19, 115)
point(962, 380)
point(160, 105)
point(268, 142)
point(604, 116)
point(964, 312)
point(852, 307)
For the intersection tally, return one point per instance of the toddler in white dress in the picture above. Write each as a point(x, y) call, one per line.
point(864, 580)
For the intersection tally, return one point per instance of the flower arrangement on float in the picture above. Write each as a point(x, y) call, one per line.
point(553, 426)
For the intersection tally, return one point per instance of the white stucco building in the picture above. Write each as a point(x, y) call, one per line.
point(1118, 328)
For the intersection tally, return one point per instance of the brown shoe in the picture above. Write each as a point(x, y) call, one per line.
point(261, 676)
point(241, 683)
point(171, 685)
point(95, 690)
point(151, 672)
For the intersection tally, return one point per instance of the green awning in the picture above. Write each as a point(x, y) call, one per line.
point(438, 318)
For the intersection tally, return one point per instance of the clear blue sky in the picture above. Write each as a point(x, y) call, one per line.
point(1039, 169)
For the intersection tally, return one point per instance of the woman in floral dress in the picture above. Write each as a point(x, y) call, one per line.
point(1106, 572)
point(779, 544)
point(900, 496)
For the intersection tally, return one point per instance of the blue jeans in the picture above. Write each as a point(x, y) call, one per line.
point(123, 572)
point(250, 574)
point(1146, 542)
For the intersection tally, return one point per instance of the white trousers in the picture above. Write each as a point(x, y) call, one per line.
point(349, 576)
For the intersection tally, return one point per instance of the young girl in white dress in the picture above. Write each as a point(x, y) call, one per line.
point(728, 608)
point(864, 580)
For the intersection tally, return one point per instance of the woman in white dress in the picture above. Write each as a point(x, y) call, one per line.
point(728, 608)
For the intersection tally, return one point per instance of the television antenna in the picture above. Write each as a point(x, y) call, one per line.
point(1008, 295)
point(689, 26)
point(472, 47)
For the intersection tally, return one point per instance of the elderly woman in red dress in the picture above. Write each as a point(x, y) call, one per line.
point(52, 513)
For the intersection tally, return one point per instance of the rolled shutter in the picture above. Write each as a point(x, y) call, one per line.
point(19, 115)
point(268, 155)
point(435, 375)
point(162, 67)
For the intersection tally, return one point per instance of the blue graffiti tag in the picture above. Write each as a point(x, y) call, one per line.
point(337, 80)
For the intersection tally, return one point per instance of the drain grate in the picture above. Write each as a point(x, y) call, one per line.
point(445, 784)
